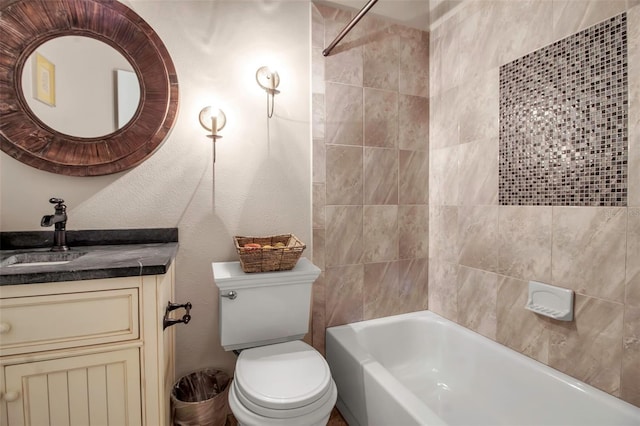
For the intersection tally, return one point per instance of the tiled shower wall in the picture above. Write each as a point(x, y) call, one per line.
point(370, 170)
point(482, 254)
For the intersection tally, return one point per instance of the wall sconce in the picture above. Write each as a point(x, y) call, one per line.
point(269, 80)
point(214, 120)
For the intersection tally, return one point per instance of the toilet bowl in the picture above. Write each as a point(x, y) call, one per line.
point(282, 384)
point(278, 379)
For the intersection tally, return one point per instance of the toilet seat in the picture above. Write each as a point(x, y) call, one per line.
point(284, 380)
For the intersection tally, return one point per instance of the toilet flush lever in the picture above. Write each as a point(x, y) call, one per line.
point(168, 322)
point(231, 295)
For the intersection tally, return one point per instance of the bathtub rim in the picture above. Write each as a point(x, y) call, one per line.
point(349, 331)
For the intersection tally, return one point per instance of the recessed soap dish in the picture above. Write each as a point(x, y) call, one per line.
point(553, 302)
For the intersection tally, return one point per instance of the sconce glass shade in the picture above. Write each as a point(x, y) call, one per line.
point(268, 79)
point(205, 119)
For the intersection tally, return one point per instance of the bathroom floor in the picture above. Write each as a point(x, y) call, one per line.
point(335, 419)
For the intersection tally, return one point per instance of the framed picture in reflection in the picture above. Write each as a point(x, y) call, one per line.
point(45, 80)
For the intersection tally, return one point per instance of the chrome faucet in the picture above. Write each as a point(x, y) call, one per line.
point(59, 219)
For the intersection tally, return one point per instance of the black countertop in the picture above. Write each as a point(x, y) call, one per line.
point(107, 254)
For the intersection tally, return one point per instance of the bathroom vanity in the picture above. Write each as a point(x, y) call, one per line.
point(83, 342)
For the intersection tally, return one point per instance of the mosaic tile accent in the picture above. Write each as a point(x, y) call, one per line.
point(563, 121)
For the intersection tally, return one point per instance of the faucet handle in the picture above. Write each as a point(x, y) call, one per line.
point(56, 200)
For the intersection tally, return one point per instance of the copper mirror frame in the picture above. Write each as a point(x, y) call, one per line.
point(26, 24)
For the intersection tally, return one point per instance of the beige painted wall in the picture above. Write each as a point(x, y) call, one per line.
point(482, 254)
point(262, 173)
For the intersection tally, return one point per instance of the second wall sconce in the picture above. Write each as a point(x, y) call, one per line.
point(269, 80)
point(213, 120)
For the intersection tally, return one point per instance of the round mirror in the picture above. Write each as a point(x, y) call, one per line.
point(25, 27)
point(80, 86)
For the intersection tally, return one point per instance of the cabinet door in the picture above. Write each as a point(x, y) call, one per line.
point(95, 389)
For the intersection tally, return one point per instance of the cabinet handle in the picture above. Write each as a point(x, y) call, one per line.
point(4, 327)
point(11, 396)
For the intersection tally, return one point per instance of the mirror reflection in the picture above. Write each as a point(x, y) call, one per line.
point(80, 86)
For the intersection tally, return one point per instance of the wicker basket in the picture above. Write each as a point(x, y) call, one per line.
point(270, 258)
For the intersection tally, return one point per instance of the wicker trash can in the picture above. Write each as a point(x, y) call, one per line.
point(200, 398)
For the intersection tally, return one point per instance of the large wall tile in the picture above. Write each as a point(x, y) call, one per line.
point(318, 320)
point(381, 54)
point(477, 300)
point(444, 176)
point(380, 233)
point(518, 328)
point(571, 16)
point(380, 176)
point(319, 161)
point(524, 242)
point(344, 175)
point(318, 130)
point(589, 246)
point(414, 283)
point(413, 119)
point(478, 172)
point(413, 177)
point(339, 15)
point(319, 203)
point(393, 288)
point(479, 49)
point(317, 71)
point(344, 295)
point(523, 26)
point(633, 258)
point(596, 330)
point(344, 240)
point(591, 250)
point(479, 109)
point(380, 118)
point(435, 76)
point(630, 385)
point(413, 68)
point(450, 71)
point(443, 233)
point(444, 124)
point(477, 237)
point(382, 295)
point(443, 288)
point(372, 157)
point(319, 247)
point(317, 28)
point(345, 63)
point(413, 231)
point(344, 114)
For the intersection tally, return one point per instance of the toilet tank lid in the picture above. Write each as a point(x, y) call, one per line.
point(230, 275)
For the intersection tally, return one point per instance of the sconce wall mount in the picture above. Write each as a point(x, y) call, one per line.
point(269, 80)
point(213, 120)
point(210, 119)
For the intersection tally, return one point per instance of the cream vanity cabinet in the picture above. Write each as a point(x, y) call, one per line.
point(89, 352)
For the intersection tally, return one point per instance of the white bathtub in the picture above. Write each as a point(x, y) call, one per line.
point(421, 369)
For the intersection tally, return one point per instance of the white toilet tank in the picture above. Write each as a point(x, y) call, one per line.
point(262, 308)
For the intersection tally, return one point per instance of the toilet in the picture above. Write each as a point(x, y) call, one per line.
point(279, 379)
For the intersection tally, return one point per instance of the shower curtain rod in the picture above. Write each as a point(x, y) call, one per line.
point(350, 25)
